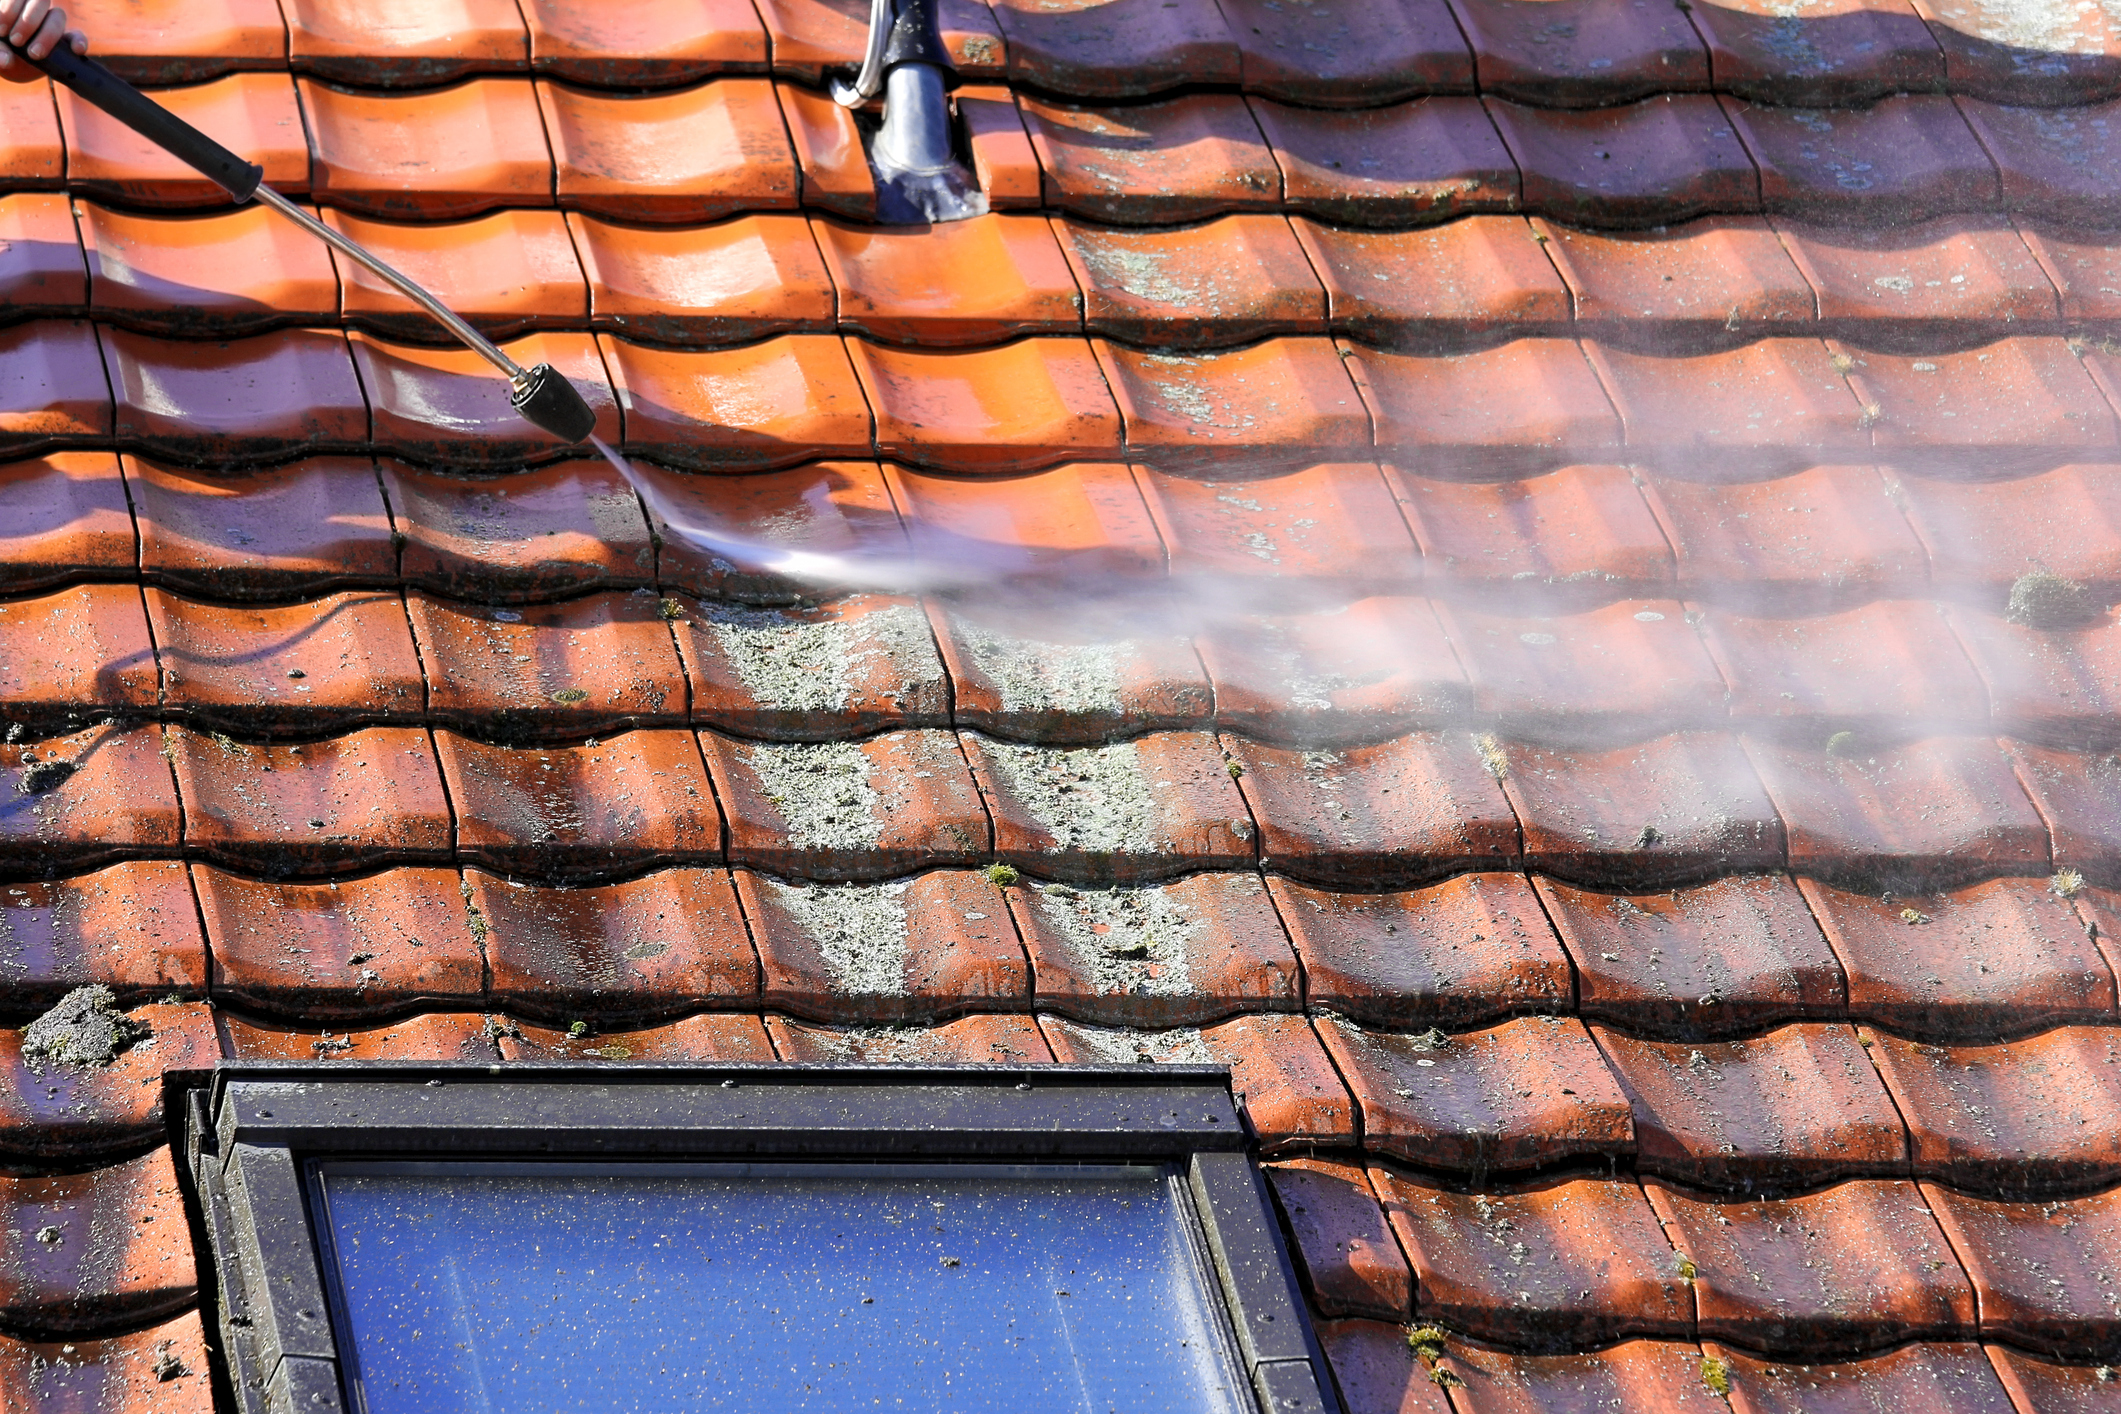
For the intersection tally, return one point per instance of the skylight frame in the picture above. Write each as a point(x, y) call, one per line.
point(247, 1130)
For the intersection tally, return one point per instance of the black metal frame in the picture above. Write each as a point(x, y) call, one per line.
point(247, 1129)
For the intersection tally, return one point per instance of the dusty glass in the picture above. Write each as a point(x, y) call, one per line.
point(668, 1287)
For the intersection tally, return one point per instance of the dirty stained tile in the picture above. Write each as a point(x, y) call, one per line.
point(1651, 1374)
point(1160, 805)
point(1351, 1262)
point(811, 672)
point(841, 810)
point(1341, 55)
point(1851, 1267)
point(163, 1367)
point(1283, 403)
point(1824, 535)
point(2017, 1117)
point(2041, 1270)
point(1797, 1105)
point(1287, 1088)
point(1199, 950)
point(86, 799)
point(1826, 53)
point(2018, 402)
point(1183, 159)
point(649, 948)
point(84, 1087)
point(616, 804)
point(1332, 525)
point(1649, 163)
point(1939, 1375)
point(809, 37)
point(1957, 272)
point(713, 1038)
point(1227, 281)
point(991, 1039)
point(2056, 164)
point(444, 1036)
point(1727, 272)
point(1405, 811)
point(597, 664)
point(1892, 664)
point(1841, 800)
point(84, 1252)
point(1042, 674)
point(1377, 1369)
point(1116, 48)
point(1580, 532)
point(1413, 163)
point(917, 949)
point(75, 653)
point(831, 508)
point(1904, 158)
point(1582, 53)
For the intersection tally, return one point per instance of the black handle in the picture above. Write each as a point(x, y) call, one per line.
point(148, 118)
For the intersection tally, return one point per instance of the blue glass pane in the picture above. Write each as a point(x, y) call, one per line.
point(659, 1288)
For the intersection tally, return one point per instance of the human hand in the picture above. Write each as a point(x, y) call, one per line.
point(36, 27)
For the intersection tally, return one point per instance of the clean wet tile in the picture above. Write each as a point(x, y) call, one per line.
point(336, 661)
point(232, 272)
point(405, 43)
point(1352, 1265)
point(1469, 276)
point(253, 114)
point(52, 388)
point(1015, 408)
point(86, 799)
point(1284, 402)
point(297, 528)
point(992, 278)
point(648, 44)
point(687, 156)
point(1727, 272)
point(728, 282)
point(435, 155)
point(789, 399)
point(75, 653)
point(505, 274)
point(132, 927)
point(71, 520)
point(450, 407)
point(262, 398)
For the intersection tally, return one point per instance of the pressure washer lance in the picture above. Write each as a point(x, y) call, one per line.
point(541, 394)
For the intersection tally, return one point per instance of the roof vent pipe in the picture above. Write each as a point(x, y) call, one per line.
point(918, 176)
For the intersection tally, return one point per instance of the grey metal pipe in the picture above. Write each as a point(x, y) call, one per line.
point(472, 339)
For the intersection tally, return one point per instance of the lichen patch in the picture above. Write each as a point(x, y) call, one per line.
point(823, 793)
point(859, 929)
point(1099, 800)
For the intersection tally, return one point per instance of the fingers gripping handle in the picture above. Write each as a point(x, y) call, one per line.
point(148, 118)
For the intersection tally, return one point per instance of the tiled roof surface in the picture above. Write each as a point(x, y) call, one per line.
point(1571, 551)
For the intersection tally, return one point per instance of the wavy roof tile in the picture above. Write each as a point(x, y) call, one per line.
point(1555, 611)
